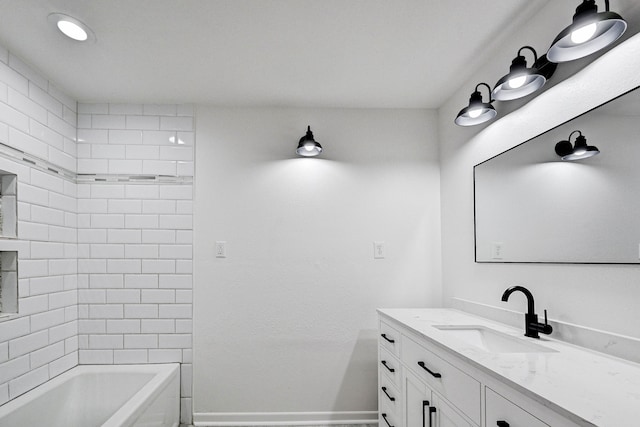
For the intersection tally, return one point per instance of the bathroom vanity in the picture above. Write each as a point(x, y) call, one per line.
point(447, 368)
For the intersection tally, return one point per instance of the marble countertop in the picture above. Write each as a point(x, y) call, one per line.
point(588, 386)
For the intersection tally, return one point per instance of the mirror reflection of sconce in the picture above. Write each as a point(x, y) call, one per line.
point(477, 111)
point(567, 151)
point(521, 80)
point(307, 146)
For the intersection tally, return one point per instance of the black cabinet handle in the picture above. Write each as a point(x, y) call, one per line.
point(384, 362)
point(435, 374)
point(432, 410)
point(386, 420)
point(384, 389)
point(425, 403)
point(502, 424)
point(387, 338)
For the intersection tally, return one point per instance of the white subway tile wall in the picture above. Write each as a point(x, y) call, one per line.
point(134, 238)
point(42, 340)
point(105, 267)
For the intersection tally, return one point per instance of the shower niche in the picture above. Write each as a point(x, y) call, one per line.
point(8, 282)
point(8, 230)
point(8, 205)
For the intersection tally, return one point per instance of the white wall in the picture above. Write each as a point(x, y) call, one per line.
point(287, 321)
point(598, 296)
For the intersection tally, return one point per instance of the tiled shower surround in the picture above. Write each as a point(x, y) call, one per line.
point(104, 232)
point(135, 172)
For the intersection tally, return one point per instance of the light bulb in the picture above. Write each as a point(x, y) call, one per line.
point(474, 113)
point(309, 146)
point(584, 33)
point(517, 82)
point(72, 30)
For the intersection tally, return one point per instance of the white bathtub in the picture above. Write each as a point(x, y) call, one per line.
point(101, 395)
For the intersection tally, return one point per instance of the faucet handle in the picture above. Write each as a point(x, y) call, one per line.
point(546, 328)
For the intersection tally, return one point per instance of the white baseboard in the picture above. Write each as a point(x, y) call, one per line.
point(237, 419)
point(617, 345)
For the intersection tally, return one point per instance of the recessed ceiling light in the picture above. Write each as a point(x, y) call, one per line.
point(71, 27)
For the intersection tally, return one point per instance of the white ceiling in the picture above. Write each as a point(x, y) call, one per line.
point(301, 53)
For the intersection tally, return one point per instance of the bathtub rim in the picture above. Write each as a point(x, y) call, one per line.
point(125, 414)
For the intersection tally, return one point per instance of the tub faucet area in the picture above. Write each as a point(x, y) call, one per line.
point(531, 325)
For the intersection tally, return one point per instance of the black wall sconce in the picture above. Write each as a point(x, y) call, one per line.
point(307, 146)
point(477, 111)
point(581, 150)
point(589, 32)
point(522, 81)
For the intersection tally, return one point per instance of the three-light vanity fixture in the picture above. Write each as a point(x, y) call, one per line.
point(568, 151)
point(589, 32)
point(307, 146)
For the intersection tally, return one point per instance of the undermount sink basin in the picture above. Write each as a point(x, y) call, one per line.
point(491, 341)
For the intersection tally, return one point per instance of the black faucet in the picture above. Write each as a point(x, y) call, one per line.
point(531, 324)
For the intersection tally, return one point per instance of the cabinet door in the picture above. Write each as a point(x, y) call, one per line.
point(417, 398)
point(425, 408)
point(446, 416)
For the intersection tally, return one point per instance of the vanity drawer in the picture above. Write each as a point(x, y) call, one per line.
point(456, 386)
point(389, 367)
point(388, 417)
point(500, 409)
point(389, 339)
point(389, 396)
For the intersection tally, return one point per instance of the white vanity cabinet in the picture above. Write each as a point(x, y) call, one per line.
point(422, 384)
point(408, 397)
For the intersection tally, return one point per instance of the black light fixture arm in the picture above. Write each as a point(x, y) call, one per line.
point(535, 54)
point(488, 88)
point(571, 134)
point(588, 7)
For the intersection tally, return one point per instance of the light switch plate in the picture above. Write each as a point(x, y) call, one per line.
point(221, 249)
point(379, 251)
point(497, 248)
